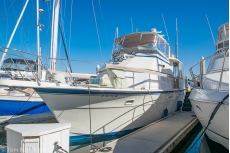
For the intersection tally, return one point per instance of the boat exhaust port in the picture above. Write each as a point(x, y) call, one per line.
point(198, 108)
point(129, 102)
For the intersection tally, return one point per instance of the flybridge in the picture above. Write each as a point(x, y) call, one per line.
point(223, 37)
point(144, 41)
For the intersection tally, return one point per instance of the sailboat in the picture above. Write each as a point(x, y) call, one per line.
point(210, 95)
point(16, 101)
point(17, 69)
point(141, 84)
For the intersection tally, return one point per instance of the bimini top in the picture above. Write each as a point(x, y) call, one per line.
point(223, 37)
point(140, 39)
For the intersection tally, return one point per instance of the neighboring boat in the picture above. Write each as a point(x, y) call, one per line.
point(18, 69)
point(141, 84)
point(16, 101)
point(210, 95)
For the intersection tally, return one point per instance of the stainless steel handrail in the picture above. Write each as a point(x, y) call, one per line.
point(195, 77)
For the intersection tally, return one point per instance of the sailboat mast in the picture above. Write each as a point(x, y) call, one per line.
point(12, 35)
point(176, 47)
point(38, 40)
point(54, 34)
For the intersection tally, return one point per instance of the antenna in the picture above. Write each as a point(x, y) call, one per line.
point(176, 46)
point(211, 31)
point(132, 23)
point(117, 34)
point(165, 26)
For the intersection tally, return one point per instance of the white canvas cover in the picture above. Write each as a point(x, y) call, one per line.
point(117, 78)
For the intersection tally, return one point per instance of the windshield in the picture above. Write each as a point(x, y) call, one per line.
point(217, 62)
point(19, 64)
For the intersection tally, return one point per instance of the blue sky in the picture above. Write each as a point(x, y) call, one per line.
point(195, 39)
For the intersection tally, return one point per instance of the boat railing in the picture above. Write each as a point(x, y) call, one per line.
point(151, 102)
point(165, 81)
point(199, 73)
point(62, 74)
point(30, 63)
point(149, 41)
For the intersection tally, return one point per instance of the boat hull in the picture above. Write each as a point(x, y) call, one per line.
point(16, 106)
point(97, 111)
point(203, 103)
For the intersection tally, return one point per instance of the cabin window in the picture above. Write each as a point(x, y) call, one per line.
point(226, 44)
point(216, 63)
point(175, 69)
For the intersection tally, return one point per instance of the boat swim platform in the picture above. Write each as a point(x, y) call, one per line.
point(158, 137)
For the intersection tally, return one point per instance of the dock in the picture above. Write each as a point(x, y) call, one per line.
point(160, 136)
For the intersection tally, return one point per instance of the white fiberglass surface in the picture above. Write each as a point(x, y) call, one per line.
point(112, 113)
point(211, 81)
point(217, 62)
point(219, 127)
point(141, 80)
point(207, 95)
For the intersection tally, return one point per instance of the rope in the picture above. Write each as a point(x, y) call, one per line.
point(209, 122)
point(43, 57)
point(103, 23)
point(211, 31)
point(57, 148)
point(11, 4)
point(2, 40)
point(90, 115)
point(24, 40)
point(165, 26)
point(154, 102)
point(33, 5)
point(7, 20)
point(64, 45)
point(64, 9)
point(92, 147)
point(70, 25)
point(22, 32)
point(61, 22)
point(97, 31)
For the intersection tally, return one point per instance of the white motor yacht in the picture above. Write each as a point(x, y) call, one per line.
point(141, 84)
point(210, 95)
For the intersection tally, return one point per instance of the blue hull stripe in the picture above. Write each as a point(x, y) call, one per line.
point(85, 91)
point(8, 107)
point(86, 139)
